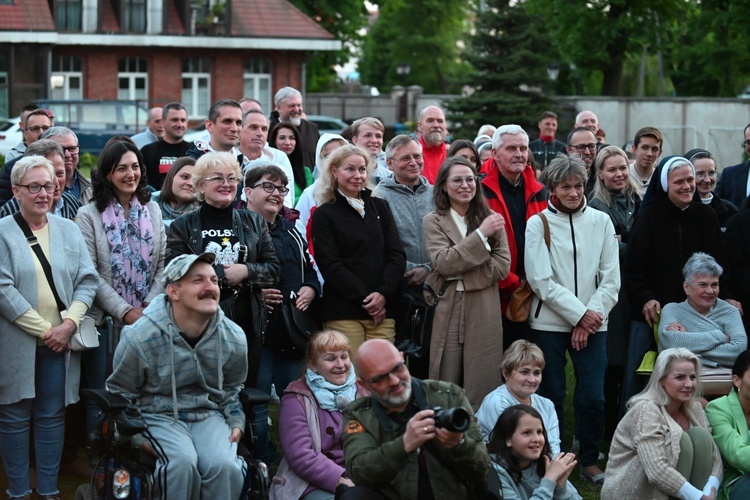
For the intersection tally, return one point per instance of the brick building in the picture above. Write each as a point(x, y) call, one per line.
point(193, 51)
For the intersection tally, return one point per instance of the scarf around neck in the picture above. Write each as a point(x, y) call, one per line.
point(332, 397)
point(131, 249)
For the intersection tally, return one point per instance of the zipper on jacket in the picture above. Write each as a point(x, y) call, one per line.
point(575, 254)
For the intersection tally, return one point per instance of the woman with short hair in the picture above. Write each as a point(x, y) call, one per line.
point(245, 258)
point(575, 279)
point(663, 446)
point(39, 375)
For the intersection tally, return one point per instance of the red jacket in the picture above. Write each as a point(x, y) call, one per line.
point(536, 201)
point(434, 156)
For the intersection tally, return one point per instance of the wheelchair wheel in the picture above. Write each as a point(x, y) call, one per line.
point(83, 492)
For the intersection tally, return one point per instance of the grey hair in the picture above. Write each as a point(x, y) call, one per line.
point(578, 116)
point(27, 163)
point(285, 93)
point(485, 128)
point(512, 129)
point(560, 168)
point(399, 142)
point(701, 264)
point(44, 147)
point(58, 130)
point(654, 391)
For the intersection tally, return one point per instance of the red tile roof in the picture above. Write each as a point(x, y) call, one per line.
point(26, 15)
point(273, 19)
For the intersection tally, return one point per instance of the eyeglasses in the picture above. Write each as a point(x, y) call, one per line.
point(403, 159)
point(270, 187)
point(71, 149)
point(583, 147)
point(221, 180)
point(702, 175)
point(457, 182)
point(35, 187)
point(39, 128)
point(397, 370)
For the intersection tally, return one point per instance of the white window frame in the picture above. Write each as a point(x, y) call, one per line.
point(132, 76)
point(251, 83)
point(196, 109)
point(60, 80)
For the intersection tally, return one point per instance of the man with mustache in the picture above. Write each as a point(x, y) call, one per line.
point(183, 363)
point(432, 131)
point(391, 443)
point(288, 102)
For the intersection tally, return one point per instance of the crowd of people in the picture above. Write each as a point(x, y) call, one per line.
point(212, 255)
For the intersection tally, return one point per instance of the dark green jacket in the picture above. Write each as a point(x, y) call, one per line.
point(375, 455)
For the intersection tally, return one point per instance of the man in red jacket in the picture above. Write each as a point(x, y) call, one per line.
point(511, 189)
point(432, 131)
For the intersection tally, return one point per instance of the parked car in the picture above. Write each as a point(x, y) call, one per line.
point(10, 134)
point(328, 124)
point(197, 132)
point(96, 122)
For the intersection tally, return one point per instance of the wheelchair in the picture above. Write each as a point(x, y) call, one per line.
point(122, 472)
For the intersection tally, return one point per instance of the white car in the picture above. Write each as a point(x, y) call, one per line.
point(10, 134)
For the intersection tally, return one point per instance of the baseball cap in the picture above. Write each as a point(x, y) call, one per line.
point(181, 265)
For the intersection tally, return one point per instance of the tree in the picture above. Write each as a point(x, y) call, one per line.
point(342, 18)
point(508, 54)
point(597, 35)
point(422, 33)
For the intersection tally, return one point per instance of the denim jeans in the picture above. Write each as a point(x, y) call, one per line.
point(94, 375)
point(740, 489)
point(47, 413)
point(280, 371)
point(589, 364)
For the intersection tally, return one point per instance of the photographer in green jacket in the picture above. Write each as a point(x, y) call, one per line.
point(399, 444)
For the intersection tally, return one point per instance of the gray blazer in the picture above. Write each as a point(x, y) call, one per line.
point(108, 301)
point(75, 279)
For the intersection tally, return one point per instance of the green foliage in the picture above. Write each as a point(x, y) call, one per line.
point(86, 162)
point(712, 58)
point(598, 35)
point(422, 33)
point(341, 18)
point(506, 51)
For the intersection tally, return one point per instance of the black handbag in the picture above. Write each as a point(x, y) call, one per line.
point(297, 325)
point(414, 323)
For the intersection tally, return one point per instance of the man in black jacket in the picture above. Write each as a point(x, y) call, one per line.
point(288, 102)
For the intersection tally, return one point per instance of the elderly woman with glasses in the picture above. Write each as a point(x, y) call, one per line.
point(469, 254)
point(39, 375)
point(245, 258)
point(573, 268)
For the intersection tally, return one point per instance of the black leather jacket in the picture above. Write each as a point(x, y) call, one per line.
point(184, 237)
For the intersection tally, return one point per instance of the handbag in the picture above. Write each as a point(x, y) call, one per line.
point(413, 327)
point(298, 325)
point(649, 358)
point(86, 335)
point(519, 306)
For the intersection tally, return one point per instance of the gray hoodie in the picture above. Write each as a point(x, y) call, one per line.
point(157, 369)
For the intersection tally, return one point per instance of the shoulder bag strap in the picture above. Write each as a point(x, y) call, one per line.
point(546, 229)
point(37, 249)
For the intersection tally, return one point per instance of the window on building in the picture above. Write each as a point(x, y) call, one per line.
point(67, 78)
point(257, 81)
point(132, 79)
point(196, 86)
point(68, 15)
point(134, 16)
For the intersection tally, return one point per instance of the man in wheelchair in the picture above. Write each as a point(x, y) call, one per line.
point(183, 363)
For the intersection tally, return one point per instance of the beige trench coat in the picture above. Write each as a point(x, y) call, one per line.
point(481, 326)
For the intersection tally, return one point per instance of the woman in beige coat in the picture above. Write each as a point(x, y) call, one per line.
point(469, 254)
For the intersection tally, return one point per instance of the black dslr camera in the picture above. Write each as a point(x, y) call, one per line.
point(455, 419)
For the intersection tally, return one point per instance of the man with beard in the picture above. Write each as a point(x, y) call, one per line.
point(582, 142)
point(647, 149)
point(392, 444)
point(183, 363)
point(288, 102)
point(432, 131)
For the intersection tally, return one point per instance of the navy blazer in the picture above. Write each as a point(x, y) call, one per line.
point(732, 184)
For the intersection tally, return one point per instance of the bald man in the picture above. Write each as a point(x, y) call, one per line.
point(154, 128)
point(392, 444)
point(432, 130)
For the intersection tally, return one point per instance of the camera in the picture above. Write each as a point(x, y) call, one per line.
point(455, 419)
